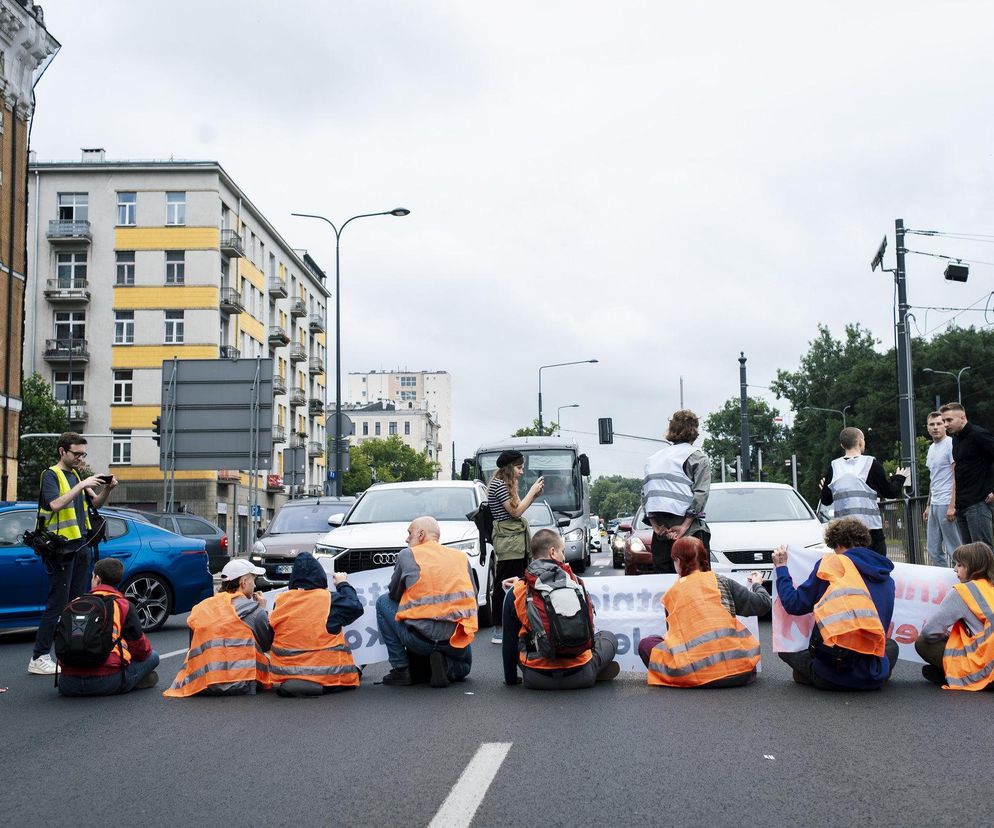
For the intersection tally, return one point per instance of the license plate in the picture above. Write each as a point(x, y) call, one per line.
point(284, 569)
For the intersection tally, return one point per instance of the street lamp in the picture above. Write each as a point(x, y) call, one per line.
point(541, 431)
point(958, 374)
point(337, 428)
point(559, 415)
point(842, 413)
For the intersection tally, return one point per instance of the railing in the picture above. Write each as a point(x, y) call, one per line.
point(316, 323)
point(278, 334)
point(315, 407)
point(298, 441)
point(297, 396)
point(231, 243)
point(898, 517)
point(297, 352)
point(231, 300)
point(230, 352)
point(315, 365)
point(69, 229)
point(277, 287)
point(66, 349)
point(77, 411)
point(279, 434)
point(279, 385)
point(298, 307)
point(314, 449)
point(67, 289)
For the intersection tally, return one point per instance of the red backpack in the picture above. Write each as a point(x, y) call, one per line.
point(559, 611)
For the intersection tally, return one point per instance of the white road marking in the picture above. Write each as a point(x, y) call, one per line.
point(466, 795)
point(173, 653)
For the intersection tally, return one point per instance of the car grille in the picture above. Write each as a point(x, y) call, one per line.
point(270, 564)
point(359, 560)
point(749, 556)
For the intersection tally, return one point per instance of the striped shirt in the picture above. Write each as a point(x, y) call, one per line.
point(497, 495)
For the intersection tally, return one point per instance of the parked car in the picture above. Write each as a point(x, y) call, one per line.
point(164, 574)
point(194, 526)
point(622, 529)
point(594, 543)
point(295, 528)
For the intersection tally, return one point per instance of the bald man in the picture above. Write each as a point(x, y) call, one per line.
point(428, 611)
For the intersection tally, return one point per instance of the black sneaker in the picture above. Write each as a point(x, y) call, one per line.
point(398, 677)
point(439, 673)
point(609, 672)
point(933, 674)
point(150, 680)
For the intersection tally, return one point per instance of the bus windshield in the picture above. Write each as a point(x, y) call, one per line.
point(558, 466)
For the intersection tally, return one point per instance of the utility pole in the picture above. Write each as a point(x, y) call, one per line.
point(905, 389)
point(744, 470)
point(681, 392)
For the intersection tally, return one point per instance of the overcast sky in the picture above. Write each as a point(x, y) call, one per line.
point(655, 185)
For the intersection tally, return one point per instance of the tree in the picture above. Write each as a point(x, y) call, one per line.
point(615, 495)
point(724, 429)
point(385, 461)
point(41, 414)
point(532, 430)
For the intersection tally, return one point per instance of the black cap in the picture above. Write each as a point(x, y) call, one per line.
point(506, 458)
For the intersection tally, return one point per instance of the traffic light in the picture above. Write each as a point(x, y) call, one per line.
point(157, 429)
point(605, 430)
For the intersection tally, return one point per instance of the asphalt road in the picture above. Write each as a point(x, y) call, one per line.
point(620, 754)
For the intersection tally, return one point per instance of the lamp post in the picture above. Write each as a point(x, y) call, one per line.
point(958, 374)
point(842, 413)
point(559, 415)
point(337, 428)
point(541, 431)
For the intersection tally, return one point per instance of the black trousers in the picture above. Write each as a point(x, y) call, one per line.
point(804, 671)
point(505, 569)
point(662, 547)
point(579, 678)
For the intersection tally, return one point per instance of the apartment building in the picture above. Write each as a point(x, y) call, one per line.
point(430, 391)
point(139, 262)
point(26, 50)
point(410, 420)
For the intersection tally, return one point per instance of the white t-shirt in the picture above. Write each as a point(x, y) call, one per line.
point(940, 468)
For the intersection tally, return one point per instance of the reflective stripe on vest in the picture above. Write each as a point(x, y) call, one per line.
point(968, 660)
point(666, 487)
point(533, 660)
point(303, 647)
point(63, 522)
point(223, 649)
point(443, 592)
point(846, 615)
point(850, 494)
point(116, 631)
point(703, 642)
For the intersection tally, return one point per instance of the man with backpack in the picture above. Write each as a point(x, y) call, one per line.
point(549, 625)
point(99, 641)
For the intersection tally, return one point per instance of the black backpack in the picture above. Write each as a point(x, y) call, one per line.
point(559, 612)
point(84, 635)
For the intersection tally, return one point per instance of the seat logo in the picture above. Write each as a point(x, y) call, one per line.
point(384, 558)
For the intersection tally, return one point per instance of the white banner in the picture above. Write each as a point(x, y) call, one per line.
point(918, 591)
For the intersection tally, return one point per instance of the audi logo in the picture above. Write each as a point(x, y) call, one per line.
point(384, 558)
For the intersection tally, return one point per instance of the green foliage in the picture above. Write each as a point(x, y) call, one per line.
point(385, 461)
point(615, 495)
point(724, 428)
point(532, 430)
point(42, 413)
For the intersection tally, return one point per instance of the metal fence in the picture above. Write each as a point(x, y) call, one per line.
point(899, 516)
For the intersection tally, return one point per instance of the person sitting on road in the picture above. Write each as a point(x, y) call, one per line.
point(705, 643)
point(957, 642)
point(309, 654)
point(569, 673)
point(229, 637)
point(851, 593)
point(428, 610)
point(135, 657)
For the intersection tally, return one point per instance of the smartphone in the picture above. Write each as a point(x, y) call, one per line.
point(105, 478)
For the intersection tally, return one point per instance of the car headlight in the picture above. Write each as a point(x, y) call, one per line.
point(573, 535)
point(256, 559)
point(324, 549)
point(618, 543)
point(636, 545)
point(471, 547)
point(259, 548)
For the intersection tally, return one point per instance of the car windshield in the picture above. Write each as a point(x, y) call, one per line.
point(753, 505)
point(400, 505)
point(539, 517)
point(558, 466)
point(309, 519)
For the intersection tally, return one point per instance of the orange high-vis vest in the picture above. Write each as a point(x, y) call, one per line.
point(703, 642)
point(533, 659)
point(968, 660)
point(223, 649)
point(302, 646)
point(123, 652)
point(443, 592)
point(846, 615)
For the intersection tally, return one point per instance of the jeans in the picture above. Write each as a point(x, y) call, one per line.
point(108, 685)
point(975, 523)
point(579, 678)
point(400, 641)
point(64, 584)
point(941, 535)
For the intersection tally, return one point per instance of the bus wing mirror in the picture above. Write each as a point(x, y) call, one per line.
point(584, 465)
point(467, 469)
point(562, 523)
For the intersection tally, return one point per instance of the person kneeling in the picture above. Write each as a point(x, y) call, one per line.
point(131, 662)
point(705, 644)
point(309, 654)
point(851, 593)
point(553, 654)
point(229, 636)
point(957, 642)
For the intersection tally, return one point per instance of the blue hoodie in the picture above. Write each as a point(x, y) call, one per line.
point(345, 604)
point(868, 672)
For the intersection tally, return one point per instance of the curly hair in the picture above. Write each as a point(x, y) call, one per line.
point(846, 532)
point(683, 427)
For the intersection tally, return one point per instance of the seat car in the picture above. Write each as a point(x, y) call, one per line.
point(375, 529)
point(164, 573)
point(295, 528)
point(194, 526)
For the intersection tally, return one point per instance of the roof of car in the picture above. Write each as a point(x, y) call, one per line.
point(750, 485)
point(316, 501)
point(529, 442)
point(426, 484)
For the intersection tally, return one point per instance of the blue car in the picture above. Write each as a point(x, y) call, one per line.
point(164, 574)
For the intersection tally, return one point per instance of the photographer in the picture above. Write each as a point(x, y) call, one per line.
point(64, 511)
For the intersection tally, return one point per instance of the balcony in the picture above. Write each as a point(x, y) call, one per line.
point(228, 476)
point(316, 323)
point(315, 365)
point(279, 434)
point(274, 482)
point(231, 301)
point(231, 244)
point(67, 290)
point(298, 307)
point(77, 411)
point(278, 337)
point(297, 352)
point(279, 385)
point(298, 441)
point(230, 352)
point(315, 449)
point(62, 231)
point(66, 350)
point(315, 407)
point(297, 397)
point(277, 288)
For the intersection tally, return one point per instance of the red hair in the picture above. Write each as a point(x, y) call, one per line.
point(692, 555)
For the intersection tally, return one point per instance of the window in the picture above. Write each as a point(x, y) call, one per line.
point(377, 428)
point(174, 327)
point(408, 395)
point(365, 429)
point(68, 388)
point(70, 326)
point(125, 267)
point(175, 208)
point(70, 268)
point(120, 449)
point(123, 386)
point(408, 382)
point(175, 267)
point(126, 209)
point(392, 428)
point(124, 327)
point(407, 428)
point(116, 528)
point(74, 206)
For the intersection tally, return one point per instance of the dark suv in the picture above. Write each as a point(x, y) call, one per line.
point(193, 526)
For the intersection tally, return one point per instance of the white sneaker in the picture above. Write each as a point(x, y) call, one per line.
point(41, 666)
point(497, 638)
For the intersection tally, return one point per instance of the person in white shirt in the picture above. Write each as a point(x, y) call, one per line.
point(942, 533)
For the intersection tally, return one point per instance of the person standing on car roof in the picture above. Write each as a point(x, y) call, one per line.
point(63, 506)
point(676, 489)
point(853, 483)
point(309, 654)
point(511, 535)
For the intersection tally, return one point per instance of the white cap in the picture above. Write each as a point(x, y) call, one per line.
point(233, 570)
